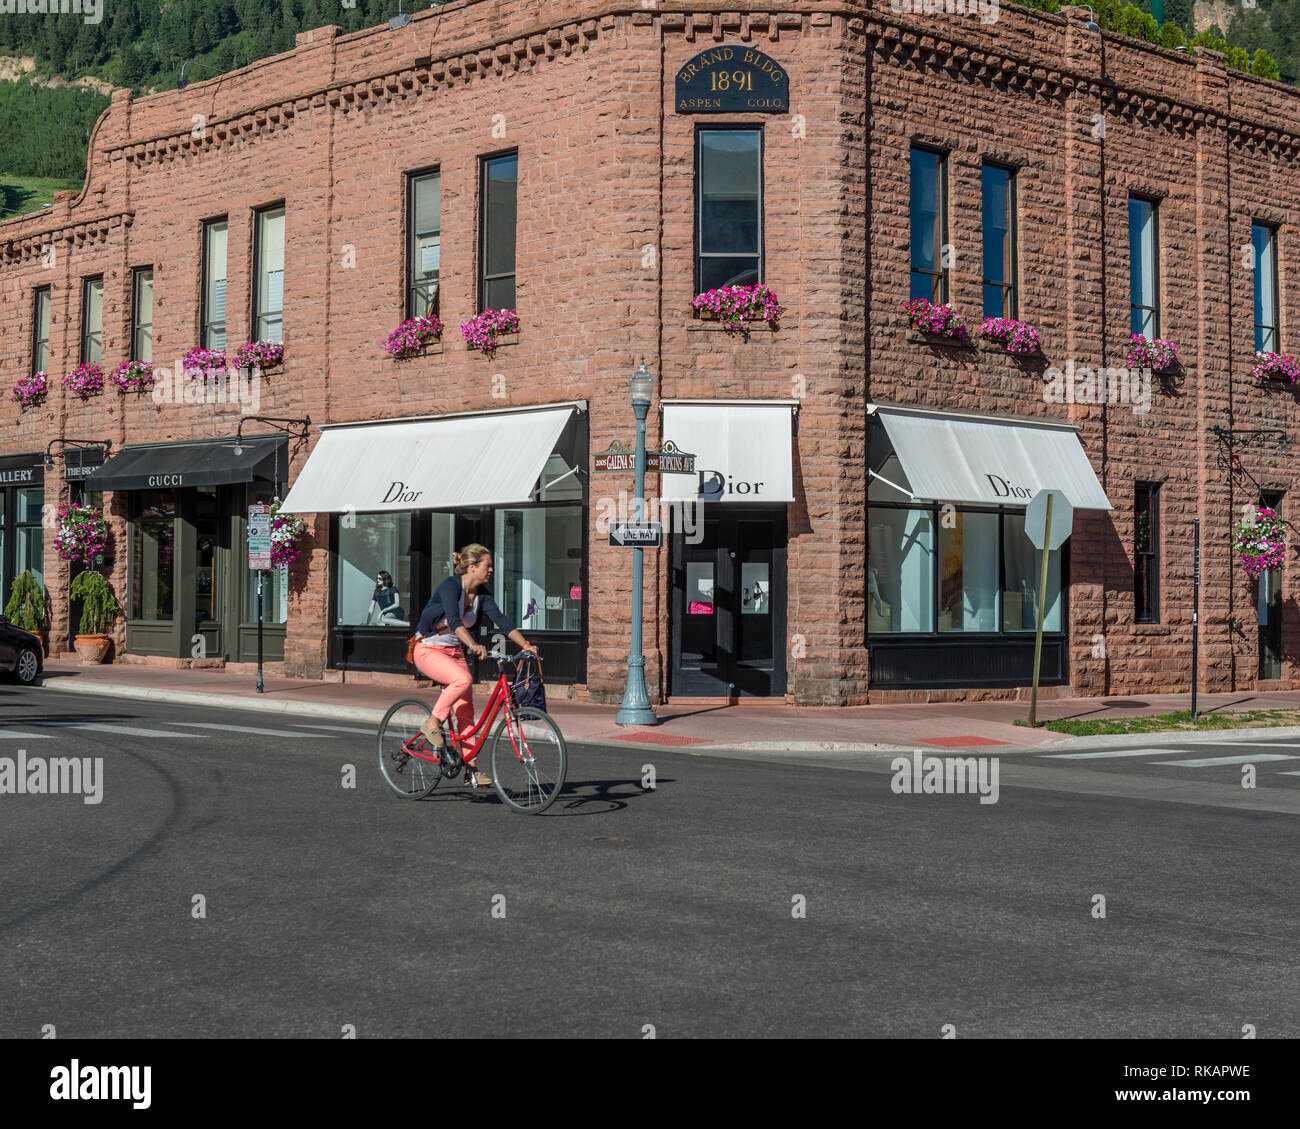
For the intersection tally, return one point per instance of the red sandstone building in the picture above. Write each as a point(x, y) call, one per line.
point(855, 530)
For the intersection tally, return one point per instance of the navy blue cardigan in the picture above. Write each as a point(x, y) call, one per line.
point(446, 602)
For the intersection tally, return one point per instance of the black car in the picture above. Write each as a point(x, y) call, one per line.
point(20, 653)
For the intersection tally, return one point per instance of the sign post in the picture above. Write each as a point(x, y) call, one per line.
point(1049, 518)
point(1196, 602)
point(259, 559)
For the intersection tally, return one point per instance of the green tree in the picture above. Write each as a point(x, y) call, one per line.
point(1262, 64)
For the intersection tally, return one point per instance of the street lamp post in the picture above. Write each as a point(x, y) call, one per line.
point(636, 702)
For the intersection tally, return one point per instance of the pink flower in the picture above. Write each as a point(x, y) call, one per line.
point(735, 305)
point(411, 336)
point(32, 389)
point(483, 332)
point(939, 321)
point(132, 376)
point(85, 380)
point(1019, 337)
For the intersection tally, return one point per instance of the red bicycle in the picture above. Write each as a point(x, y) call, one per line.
point(528, 757)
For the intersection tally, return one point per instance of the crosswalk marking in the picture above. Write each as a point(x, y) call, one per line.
point(1210, 762)
point(1111, 753)
point(102, 727)
point(247, 729)
point(334, 728)
point(18, 735)
point(1266, 745)
point(1285, 773)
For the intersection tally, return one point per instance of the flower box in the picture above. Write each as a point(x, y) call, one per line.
point(1260, 542)
point(937, 321)
point(1019, 337)
point(487, 330)
point(1158, 355)
point(288, 536)
point(85, 380)
point(204, 364)
point(32, 390)
point(737, 306)
point(259, 355)
point(133, 376)
point(1276, 366)
point(412, 337)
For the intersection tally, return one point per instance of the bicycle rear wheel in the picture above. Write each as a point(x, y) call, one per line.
point(409, 776)
point(528, 770)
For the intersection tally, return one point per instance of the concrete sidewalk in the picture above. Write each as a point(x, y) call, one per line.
point(755, 727)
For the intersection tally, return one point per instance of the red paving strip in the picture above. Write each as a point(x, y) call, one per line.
point(952, 742)
point(651, 738)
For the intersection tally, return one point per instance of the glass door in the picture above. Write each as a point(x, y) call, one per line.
point(1269, 606)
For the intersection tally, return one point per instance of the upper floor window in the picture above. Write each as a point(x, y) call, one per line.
point(729, 208)
point(268, 299)
point(1146, 553)
point(998, 212)
point(1143, 276)
point(142, 315)
point(929, 225)
point(497, 251)
point(214, 285)
point(41, 330)
point(1263, 239)
point(92, 320)
point(424, 244)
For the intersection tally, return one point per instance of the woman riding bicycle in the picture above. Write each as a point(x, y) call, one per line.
point(444, 625)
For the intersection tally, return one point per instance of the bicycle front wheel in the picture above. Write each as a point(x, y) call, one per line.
point(529, 760)
point(409, 776)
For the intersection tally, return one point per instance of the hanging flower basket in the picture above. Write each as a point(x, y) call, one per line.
point(1158, 355)
point(288, 536)
point(85, 380)
point(736, 306)
point(412, 337)
point(1261, 542)
point(1019, 337)
point(132, 376)
point(204, 364)
point(937, 321)
point(259, 354)
point(32, 390)
point(484, 331)
point(82, 533)
point(1276, 366)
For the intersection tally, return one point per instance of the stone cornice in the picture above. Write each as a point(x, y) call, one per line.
point(83, 233)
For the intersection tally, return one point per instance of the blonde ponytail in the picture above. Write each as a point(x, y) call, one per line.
point(467, 558)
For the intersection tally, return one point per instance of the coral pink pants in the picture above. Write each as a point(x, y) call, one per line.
point(447, 665)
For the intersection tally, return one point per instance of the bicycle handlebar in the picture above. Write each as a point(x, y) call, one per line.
point(501, 655)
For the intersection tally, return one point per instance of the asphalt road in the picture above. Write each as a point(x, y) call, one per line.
point(743, 895)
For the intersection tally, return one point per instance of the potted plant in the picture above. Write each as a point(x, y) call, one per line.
point(484, 331)
point(937, 321)
point(1019, 337)
point(734, 306)
point(1158, 355)
point(85, 380)
point(27, 604)
point(412, 337)
point(98, 611)
point(288, 535)
point(32, 390)
point(204, 364)
point(82, 533)
point(1276, 366)
point(259, 354)
point(132, 376)
point(1260, 541)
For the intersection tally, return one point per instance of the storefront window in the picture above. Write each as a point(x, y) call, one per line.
point(538, 565)
point(968, 573)
point(30, 540)
point(441, 548)
point(900, 574)
point(153, 544)
point(1022, 572)
point(374, 571)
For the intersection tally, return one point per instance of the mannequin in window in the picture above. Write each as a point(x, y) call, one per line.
point(385, 606)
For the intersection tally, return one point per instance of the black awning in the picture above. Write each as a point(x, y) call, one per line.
point(173, 465)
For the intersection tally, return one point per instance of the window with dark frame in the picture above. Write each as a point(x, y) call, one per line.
point(268, 274)
point(728, 208)
point(213, 297)
point(1263, 241)
point(498, 222)
point(41, 330)
point(929, 225)
point(142, 314)
point(1143, 275)
point(998, 214)
point(1146, 553)
point(92, 320)
point(424, 243)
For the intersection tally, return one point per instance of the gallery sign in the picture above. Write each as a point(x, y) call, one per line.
point(730, 80)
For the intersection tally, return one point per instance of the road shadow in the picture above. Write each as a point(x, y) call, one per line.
point(577, 797)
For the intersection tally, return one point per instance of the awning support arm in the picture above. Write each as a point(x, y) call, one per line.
point(888, 483)
point(542, 490)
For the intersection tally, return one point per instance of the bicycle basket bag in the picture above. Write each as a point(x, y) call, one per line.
point(529, 689)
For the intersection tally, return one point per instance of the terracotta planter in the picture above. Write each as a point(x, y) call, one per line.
point(91, 649)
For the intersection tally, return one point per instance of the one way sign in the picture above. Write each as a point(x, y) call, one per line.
point(636, 534)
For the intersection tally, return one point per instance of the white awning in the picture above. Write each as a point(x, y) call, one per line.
point(478, 459)
point(989, 460)
point(743, 450)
